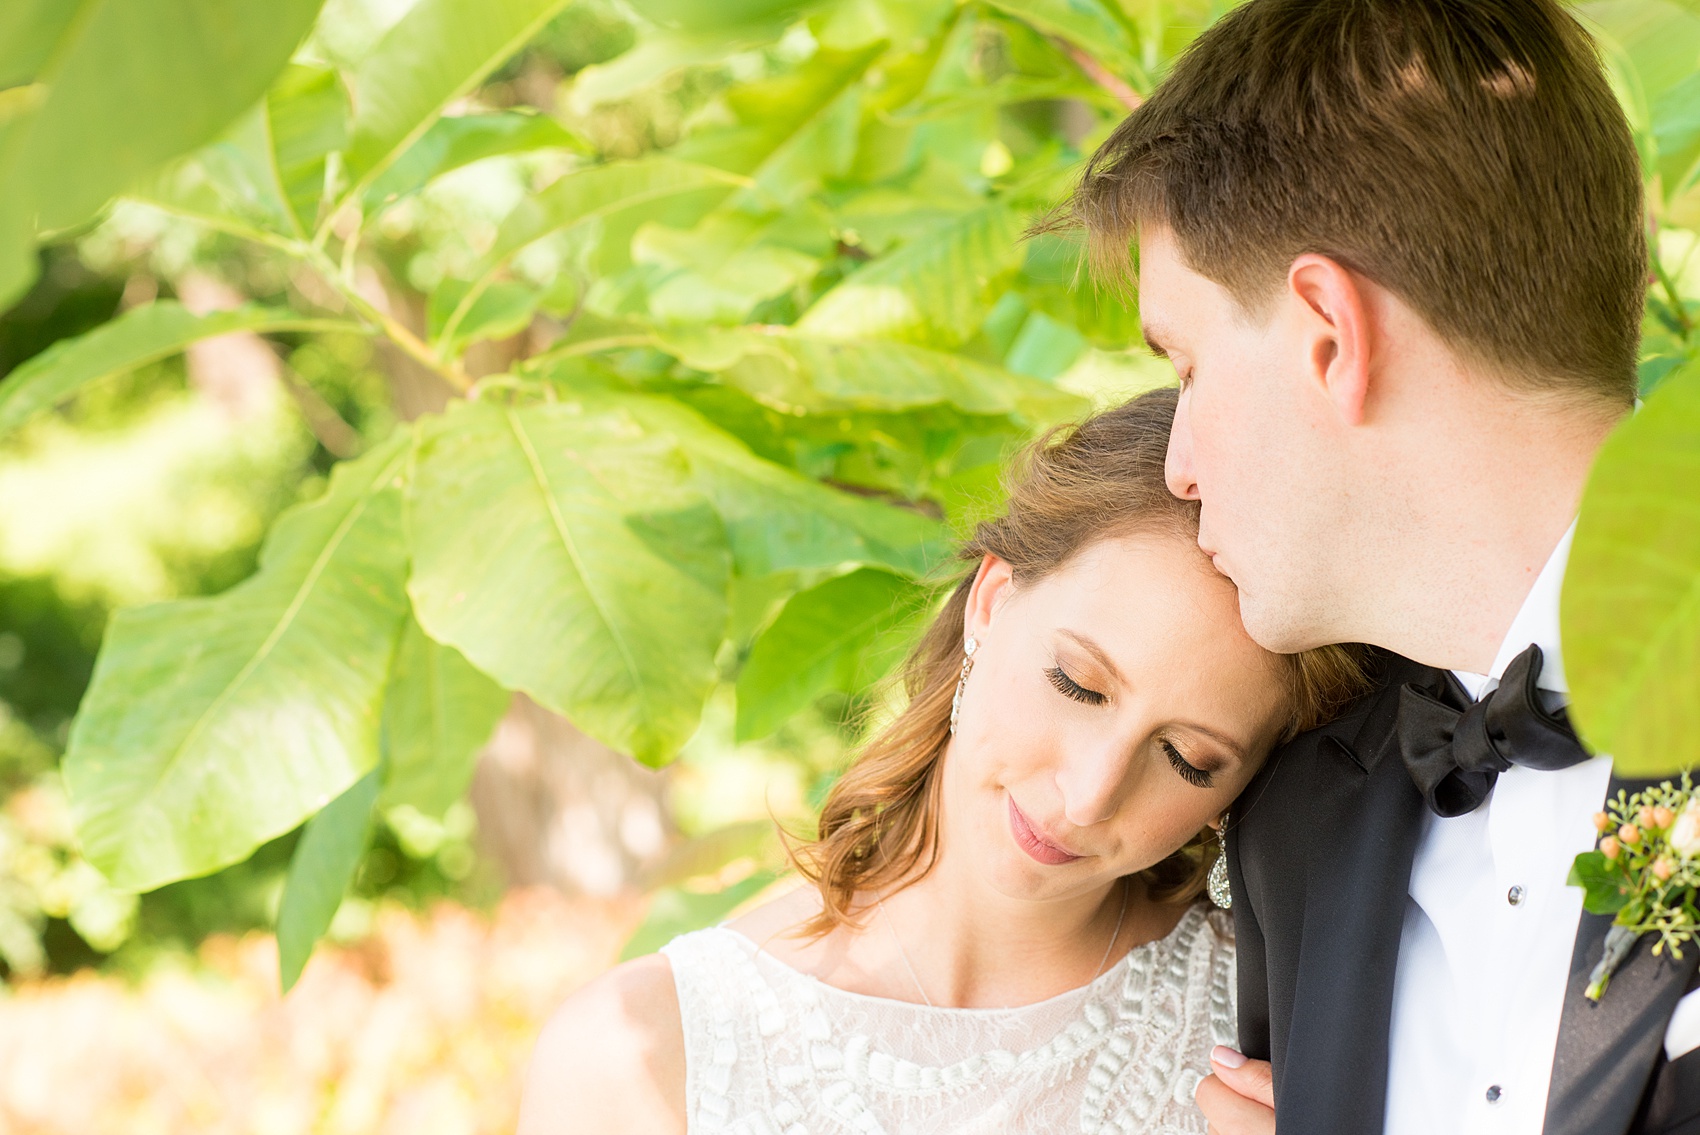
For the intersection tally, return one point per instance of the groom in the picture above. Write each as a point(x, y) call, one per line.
point(1394, 250)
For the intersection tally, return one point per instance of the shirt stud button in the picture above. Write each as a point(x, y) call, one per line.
point(1493, 1093)
point(1515, 895)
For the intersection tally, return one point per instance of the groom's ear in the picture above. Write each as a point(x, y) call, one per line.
point(1335, 327)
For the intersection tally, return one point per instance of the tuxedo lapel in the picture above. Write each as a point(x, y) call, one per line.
point(1365, 831)
point(1606, 1050)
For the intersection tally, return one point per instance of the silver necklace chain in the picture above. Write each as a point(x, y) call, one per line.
point(910, 966)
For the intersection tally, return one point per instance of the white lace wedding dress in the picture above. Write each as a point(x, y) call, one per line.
point(771, 1051)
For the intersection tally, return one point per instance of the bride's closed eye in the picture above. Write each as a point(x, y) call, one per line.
point(1068, 687)
point(1191, 773)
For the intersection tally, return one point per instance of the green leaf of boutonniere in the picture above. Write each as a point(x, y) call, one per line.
point(1645, 871)
point(1603, 890)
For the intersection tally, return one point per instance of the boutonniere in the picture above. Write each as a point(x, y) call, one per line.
point(1646, 871)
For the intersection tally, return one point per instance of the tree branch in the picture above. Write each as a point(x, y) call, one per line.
point(1101, 75)
point(340, 439)
point(406, 341)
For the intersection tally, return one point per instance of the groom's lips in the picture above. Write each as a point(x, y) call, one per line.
point(1035, 844)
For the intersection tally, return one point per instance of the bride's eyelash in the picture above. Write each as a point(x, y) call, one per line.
point(1189, 772)
point(1068, 687)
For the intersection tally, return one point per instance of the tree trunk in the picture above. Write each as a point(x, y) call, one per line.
point(557, 807)
point(554, 806)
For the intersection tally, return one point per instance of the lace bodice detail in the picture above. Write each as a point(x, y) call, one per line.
point(771, 1051)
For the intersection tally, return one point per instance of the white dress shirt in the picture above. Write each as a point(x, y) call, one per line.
point(1484, 955)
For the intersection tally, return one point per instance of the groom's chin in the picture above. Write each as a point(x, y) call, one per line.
point(1274, 627)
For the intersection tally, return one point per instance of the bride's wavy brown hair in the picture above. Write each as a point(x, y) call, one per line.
point(1078, 484)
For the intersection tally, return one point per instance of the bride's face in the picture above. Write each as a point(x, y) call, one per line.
point(1115, 707)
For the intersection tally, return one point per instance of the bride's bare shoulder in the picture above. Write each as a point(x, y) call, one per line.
point(779, 916)
point(611, 1058)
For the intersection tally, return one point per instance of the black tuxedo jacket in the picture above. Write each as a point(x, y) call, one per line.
point(1320, 850)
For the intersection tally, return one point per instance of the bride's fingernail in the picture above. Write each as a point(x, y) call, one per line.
point(1226, 1057)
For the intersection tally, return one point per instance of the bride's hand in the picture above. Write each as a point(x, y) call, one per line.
point(1240, 1098)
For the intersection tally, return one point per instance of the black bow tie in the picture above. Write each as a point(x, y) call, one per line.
point(1456, 749)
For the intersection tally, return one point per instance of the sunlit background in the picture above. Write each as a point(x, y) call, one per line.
point(161, 1012)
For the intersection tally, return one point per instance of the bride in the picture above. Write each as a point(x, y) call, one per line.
point(1003, 929)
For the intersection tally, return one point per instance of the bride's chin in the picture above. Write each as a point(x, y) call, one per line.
point(1016, 876)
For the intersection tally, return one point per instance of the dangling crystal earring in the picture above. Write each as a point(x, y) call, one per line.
point(968, 649)
point(1217, 883)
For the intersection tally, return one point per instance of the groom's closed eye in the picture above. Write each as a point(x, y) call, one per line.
point(1154, 337)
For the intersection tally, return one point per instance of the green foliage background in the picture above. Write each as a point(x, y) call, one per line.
point(734, 320)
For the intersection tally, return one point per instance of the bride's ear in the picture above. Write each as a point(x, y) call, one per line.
point(993, 583)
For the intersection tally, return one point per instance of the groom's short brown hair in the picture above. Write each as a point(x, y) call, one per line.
point(1468, 155)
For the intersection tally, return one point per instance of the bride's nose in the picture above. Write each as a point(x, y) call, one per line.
point(1092, 782)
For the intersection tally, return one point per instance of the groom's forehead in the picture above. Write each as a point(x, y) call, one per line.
point(1162, 294)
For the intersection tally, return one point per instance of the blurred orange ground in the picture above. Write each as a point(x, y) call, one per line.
point(423, 1029)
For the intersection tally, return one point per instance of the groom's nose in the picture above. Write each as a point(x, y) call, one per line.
point(1177, 470)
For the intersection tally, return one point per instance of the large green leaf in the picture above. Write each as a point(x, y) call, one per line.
point(690, 33)
point(320, 871)
point(843, 635)
point(675, 911)
point(722, 15)
point(266, 177)
point(1654, 45)
point(434, 55)
point(212, 725)
point(438, 712)
point(564, 551)
point(1631, 606)
point(454, 142)
point(1088, 25)
point(1004, 92)
point(599, 195)
point(307, 113)
point(806, 374)
point(779, 521)
point(117, 90)
point(936, 289)
point(140, 336)
point(655, 59)
point(499, 309)
point(726, 264)
point(234, 180)
point(28, 35)
point(793, 131)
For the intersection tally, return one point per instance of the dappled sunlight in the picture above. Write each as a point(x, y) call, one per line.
point(425, 1028)
point(108, 513)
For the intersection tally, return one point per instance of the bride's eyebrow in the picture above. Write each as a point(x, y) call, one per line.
point(1089, 646)
point(1236, 749)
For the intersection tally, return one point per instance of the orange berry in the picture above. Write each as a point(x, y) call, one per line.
point(1602, 820)
point(1663, 817)
point(1645, 816)
point(1608, 847)
point(1663, 868)
point(1629, 834)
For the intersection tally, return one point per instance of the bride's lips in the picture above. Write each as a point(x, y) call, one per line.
point(1033, 843)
